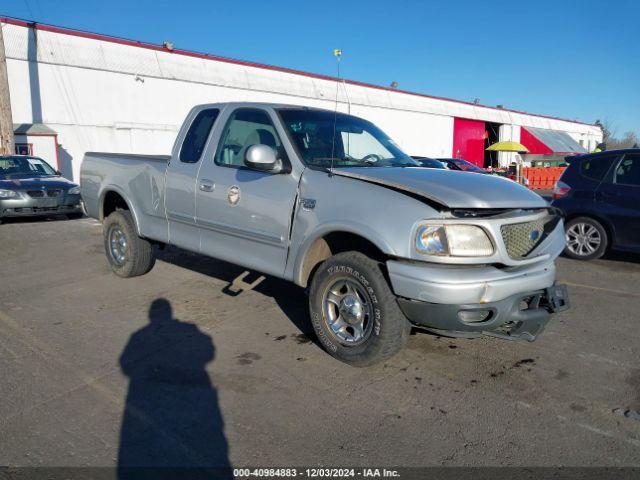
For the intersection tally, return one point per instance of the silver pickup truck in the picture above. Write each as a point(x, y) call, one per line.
point(329, 202)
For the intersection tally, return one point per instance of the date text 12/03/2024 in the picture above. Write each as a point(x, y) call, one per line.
point(240, 473)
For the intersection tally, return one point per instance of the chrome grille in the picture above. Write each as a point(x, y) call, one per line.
point(521, 238)
point(53, 193)
point(36, 193)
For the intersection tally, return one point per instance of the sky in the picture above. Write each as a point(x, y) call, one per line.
point(572, 59)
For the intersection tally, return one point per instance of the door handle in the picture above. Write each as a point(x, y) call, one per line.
point(206, 185)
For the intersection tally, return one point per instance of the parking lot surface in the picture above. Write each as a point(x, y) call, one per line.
point(174, 368)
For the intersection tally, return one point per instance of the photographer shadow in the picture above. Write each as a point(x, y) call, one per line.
point(171, 426)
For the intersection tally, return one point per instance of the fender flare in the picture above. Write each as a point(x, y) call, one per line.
point(324, 230)
point(119, 191)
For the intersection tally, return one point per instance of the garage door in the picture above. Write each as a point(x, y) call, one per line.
point(468, 140)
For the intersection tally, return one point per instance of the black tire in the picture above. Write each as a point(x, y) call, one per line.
point(137, 253)
point(386, 328)
point(581, 234)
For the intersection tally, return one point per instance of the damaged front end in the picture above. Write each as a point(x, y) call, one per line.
point(510, 294)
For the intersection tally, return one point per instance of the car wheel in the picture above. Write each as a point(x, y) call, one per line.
point(354, 312)
point(127, 253)
point(586, 239)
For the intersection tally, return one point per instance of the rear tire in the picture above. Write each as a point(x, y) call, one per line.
point(127, 253)
point(354, 312)
point(586, 238)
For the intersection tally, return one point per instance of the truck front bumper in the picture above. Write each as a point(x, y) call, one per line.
point(522, 316)
point(513, 303)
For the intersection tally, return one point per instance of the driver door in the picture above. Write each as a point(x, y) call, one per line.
point(244, 214)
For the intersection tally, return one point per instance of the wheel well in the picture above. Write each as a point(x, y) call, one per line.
point(112, 202)
point(605, 224)
point(331, 244)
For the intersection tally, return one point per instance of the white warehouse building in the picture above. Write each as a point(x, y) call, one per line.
point(73, 92)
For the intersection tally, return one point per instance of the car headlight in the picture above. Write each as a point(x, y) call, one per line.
point(74, 190)
point(8, 193)
point(453, 240)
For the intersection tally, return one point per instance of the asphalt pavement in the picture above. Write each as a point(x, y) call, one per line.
point(175, 368)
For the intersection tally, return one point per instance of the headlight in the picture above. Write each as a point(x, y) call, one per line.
point(8, 193)
point(74, 191)
point(454, 240)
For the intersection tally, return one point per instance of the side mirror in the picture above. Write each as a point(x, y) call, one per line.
point(263, 158)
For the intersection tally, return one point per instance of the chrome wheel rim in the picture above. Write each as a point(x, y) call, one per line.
point(348, 312)
point(583, 239)
point(117, 245)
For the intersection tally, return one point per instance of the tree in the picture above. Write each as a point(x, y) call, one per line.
point(610, 138)
point(608, 130)
point(629, 140)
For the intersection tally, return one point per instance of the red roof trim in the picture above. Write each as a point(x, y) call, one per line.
point(188, 53)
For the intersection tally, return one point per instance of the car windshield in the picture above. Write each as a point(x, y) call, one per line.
point(430, 163)
point(325, 139)
point(16, 167)
point(466, 166)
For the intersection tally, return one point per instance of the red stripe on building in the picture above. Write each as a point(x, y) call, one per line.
point(532, 143)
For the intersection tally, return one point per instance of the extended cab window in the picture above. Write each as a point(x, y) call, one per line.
point(196, 137)
point(245, 128)
point(596, 168)
point(628, 170)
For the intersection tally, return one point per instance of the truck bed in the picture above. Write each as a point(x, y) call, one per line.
point(138, 178)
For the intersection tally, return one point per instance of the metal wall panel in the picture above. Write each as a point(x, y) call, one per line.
point(104, 95)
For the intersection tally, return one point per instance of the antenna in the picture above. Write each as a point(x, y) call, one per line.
point(336, 53)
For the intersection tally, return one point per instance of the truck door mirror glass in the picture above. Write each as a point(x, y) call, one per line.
point(262, 157)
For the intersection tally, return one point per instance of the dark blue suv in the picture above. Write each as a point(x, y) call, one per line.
point(600, 196)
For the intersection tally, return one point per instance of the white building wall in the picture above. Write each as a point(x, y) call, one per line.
point(100, 95)
point(43, 146)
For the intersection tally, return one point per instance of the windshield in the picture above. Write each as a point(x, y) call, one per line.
point(356, 142)
point(16, 167)
point(466, 166)
point(430, 163)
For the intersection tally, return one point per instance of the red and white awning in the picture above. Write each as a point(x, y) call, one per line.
point(541, 141)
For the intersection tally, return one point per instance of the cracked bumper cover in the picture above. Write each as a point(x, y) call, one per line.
point(522, 316)
point(517, 302)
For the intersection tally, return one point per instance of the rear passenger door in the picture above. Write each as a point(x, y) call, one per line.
point(246, 216)
point(186, 160)
point(620, 192)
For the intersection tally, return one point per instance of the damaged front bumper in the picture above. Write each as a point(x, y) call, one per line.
point(522, 316)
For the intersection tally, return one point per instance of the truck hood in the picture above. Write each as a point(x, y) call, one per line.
point(449, 188)
point(36, 183)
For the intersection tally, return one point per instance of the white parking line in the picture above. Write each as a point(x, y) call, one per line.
point(602, 289)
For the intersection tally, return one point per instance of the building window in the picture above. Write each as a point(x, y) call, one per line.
point(24, 148)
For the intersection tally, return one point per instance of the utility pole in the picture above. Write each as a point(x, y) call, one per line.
point(6, 122)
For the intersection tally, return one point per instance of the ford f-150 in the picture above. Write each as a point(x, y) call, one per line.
point(329, 202)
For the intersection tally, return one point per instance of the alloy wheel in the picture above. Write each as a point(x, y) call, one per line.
point(583, 239)
point(348, 311)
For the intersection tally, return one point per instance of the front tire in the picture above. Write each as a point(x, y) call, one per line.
point(127, 253)
point(354, 312)
point(586, 238)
